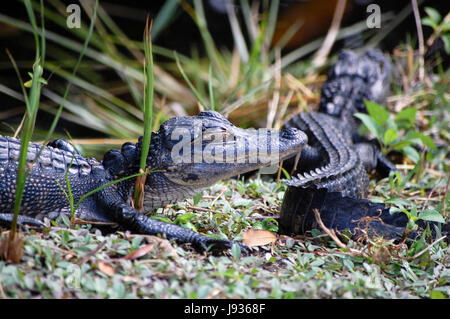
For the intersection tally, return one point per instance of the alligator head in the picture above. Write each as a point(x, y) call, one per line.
point(190, 153)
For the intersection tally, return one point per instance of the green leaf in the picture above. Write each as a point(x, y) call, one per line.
point(428, 141)
point(436, 294)
point(429, 22)
point(413, 211)
point(400, 145)
point(408, 115)
point(235, 251)
point(390, 136)
point(65, 220)
point(165, 16)
point(433, 14)
point(446, 39)
point(398, 201)
point(445, 26)
point(242, 202)
point(395, 178)
point(390, 123)
point(197, 198)
point(411, 153)
point(431, 215)
point(370, 123)
point(414, 137)
point(377, 112)
point(184, 219)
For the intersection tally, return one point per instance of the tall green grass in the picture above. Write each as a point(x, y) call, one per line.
point(11, 246)
point(32, 105)
point(32, 101)
point(148, 111)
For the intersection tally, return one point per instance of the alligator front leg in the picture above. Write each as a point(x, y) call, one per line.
point(143, 224)
point(135, 221)
point(6, 220)
point(370, 154)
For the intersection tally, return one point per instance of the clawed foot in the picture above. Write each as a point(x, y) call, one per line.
point(22, 221)
point(205, 243)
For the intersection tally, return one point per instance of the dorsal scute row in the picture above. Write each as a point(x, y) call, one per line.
point(50, 158)
point(341, 160)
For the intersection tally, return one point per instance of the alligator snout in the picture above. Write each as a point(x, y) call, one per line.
point(292, 141)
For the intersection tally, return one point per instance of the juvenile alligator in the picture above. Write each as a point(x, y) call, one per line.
point(331, 173)
point(174, 177)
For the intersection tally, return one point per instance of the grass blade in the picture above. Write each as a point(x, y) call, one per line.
point(191, 86)
point(165, 16)
point(211, 91)
point(237, 33)
point(148, 113)
point(30, 118)
point(75, 69)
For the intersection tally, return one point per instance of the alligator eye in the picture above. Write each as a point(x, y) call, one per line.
point(170, 168)
point(214, 134)
point(208, 137)
point(214, 129)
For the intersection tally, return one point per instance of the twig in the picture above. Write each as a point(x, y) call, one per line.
point(445, 196)
point(333, 235)
point(280, 166)
point(330, 38)
point(431, 194)
point(201, 209)
point(428, 248)
point(420, 38)
point(91, 253)
point(217, 197)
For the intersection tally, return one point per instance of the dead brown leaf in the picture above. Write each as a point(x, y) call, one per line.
point(161, 243)
point(105, 268)
point(139, 252)
point(258, 237)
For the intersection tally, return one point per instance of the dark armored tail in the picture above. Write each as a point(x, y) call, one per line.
point(331, 173)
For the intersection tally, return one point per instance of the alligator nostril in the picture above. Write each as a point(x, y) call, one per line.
point(290, 132)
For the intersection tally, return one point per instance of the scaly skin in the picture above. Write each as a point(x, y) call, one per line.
point(331, 173)
point(170, 182)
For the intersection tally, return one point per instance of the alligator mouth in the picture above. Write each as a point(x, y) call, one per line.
point(219, 153)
